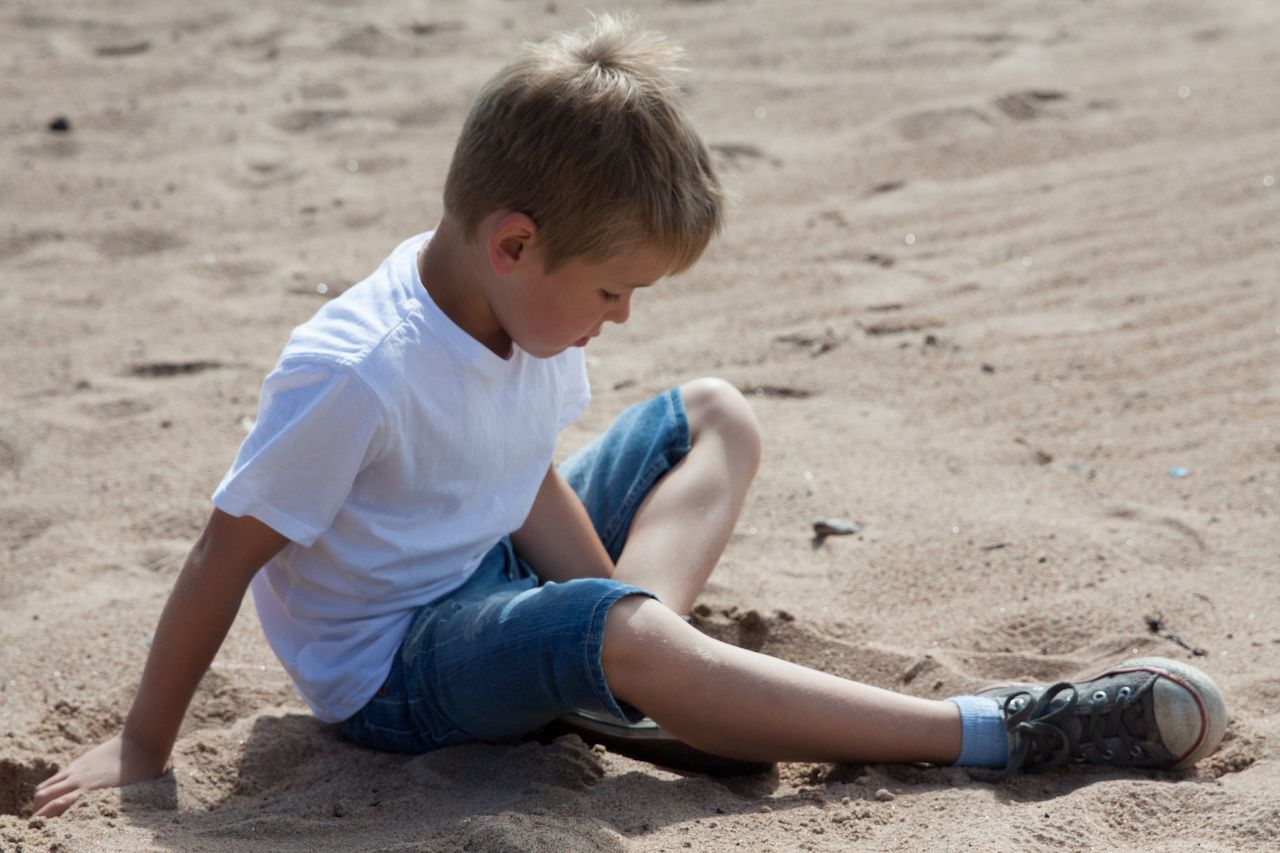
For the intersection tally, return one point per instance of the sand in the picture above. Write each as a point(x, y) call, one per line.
point(992, 272)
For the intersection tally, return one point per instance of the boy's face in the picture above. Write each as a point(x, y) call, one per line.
point(546, 313)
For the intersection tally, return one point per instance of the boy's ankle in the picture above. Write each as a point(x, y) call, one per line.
point(985, 740)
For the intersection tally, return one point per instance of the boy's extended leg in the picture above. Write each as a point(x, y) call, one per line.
point(1144, 713)
point(683, 524)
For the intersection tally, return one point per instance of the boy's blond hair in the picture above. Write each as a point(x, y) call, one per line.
point(585, 134)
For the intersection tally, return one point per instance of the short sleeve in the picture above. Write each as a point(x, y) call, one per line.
point(318, 426)
point(577, 389)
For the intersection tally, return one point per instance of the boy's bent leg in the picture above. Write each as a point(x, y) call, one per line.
point(741, 704)
point(683, 524)
point(496, 667)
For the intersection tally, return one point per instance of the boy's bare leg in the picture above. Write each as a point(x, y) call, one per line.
point(741, 704)
point(684, 523)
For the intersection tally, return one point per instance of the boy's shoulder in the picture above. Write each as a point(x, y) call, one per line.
point(350, 328)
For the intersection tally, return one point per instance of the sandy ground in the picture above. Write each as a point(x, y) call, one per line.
point(993, 270)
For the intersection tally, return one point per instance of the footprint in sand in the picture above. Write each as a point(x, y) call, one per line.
point(900, 327)
point(371, 42)
point(434, 28)
point(20, 525)
point(24, 241)
point(12, 455)
point(262, 164)
point(164, 369)
point(1031, 104)
point(943, 123)
point(776, 392)
point(132, 242)
point(1145, 517)
point(122, 47)
point(260, 42)
point(737, 155)
point(307, 120)
point(1049, 636)
point(117, 409)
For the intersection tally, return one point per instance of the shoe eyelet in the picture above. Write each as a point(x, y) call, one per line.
point(1100, 696)
point(1078, 757)
point(1135, 752)
point(1124, 693)
point(1107, 754)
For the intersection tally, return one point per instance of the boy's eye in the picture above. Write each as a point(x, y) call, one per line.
point(610, 297)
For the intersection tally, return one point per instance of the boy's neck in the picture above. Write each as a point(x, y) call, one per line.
point(452, 271)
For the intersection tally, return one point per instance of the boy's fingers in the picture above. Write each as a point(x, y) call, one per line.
point(51, 793)
point(53, 808)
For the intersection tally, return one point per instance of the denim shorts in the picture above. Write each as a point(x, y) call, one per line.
point(504, 654)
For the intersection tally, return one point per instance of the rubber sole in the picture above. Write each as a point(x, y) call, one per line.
point(647, 741)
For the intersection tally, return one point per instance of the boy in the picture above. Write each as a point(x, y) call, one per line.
point(428, 578)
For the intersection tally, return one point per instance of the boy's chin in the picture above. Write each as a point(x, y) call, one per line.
point(546, 351)
point(552, 350)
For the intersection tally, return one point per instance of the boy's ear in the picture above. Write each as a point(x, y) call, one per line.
point(509, 241)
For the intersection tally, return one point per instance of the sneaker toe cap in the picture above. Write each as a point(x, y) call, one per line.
point(1189, 709)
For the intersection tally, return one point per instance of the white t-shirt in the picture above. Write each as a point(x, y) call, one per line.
point(394, 450)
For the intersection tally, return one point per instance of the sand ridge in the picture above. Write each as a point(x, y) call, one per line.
point(992, 272)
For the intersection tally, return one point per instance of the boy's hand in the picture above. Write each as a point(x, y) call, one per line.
point(195, 620)
point(111, 764)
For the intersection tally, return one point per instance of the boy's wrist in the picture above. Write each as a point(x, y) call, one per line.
point(144, 747)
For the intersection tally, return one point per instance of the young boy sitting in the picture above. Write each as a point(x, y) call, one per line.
point(428, 577)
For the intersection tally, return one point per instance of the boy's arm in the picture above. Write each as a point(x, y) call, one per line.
point(558, 539)
point(200, 610)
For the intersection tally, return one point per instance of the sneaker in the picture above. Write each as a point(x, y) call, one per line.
point(1144, 713)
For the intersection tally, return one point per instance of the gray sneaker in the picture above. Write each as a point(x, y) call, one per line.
point(1144, 713)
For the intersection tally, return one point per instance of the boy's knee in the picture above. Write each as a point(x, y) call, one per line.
point(634, 629)
point(715, 405)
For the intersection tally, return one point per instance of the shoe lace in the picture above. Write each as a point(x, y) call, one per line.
point(1044, 737)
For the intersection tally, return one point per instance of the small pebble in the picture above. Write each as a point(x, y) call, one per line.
point(834, 527)
point(884, 795)
point(1179, 472)
point(61, 124)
